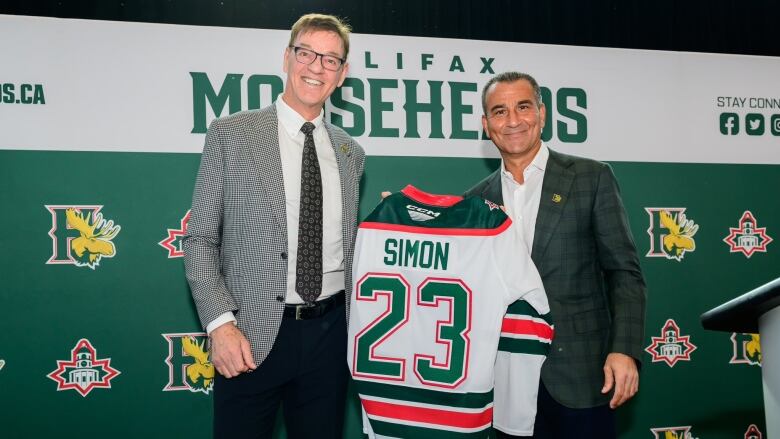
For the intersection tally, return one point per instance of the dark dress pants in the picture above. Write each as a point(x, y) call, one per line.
point(306, 372)
point(556, 421)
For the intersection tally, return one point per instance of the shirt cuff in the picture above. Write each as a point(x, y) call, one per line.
point(221, 320)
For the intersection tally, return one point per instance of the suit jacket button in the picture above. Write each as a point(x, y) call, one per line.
point(284, 255)
point(280, 298)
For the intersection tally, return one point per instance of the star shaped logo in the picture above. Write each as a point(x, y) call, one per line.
point(670, 347)
point(747, 237)
point(172, 242)
point(753, 432)
point(84, 371)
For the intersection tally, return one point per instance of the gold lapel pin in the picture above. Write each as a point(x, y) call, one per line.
point(557, 198)
point(344, 148)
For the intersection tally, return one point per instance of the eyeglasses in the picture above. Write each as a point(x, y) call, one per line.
point(307, 56)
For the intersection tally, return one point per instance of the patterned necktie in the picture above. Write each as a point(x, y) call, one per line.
point(308, 270)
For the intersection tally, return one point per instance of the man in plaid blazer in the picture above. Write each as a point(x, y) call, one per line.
point(260, 177)
point(570, 209)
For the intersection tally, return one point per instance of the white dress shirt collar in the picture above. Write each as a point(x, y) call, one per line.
point(538, 163)
point(291, 121)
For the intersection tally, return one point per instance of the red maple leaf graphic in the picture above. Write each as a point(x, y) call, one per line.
point(686, 349)
point(63, 381)
point(174, 251)
point(759, 232)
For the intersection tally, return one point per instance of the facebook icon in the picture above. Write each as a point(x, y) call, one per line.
point(729, 124)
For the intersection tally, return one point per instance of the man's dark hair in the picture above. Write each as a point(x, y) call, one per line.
point(512, 77)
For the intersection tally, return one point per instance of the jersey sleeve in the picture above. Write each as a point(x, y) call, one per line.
point(526, 335)
point(525, 341)
point(517, 271)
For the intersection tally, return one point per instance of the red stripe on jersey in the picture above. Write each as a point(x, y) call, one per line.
point(430, 199)
point(429, 415)
point(527, 327)
point(436, 231)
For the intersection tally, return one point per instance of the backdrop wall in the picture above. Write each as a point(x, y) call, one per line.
point(108, 119)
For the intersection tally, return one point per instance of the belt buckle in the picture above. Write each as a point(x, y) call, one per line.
point(300, 307)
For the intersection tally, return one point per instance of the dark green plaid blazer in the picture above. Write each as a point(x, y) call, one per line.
point(587, 259)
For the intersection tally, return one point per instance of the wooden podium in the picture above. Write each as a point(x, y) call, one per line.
point(757, 311)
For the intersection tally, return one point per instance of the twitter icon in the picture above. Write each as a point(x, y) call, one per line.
point(754, 124)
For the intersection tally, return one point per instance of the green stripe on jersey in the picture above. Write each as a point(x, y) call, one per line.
point(469, 213)
point(523, 308)
point(412, 432)
point(424, 396)
point(523, 346)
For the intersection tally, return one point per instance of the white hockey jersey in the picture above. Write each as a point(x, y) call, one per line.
point(434, 276)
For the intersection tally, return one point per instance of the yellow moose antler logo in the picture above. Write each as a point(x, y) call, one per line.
point(200, 374)
point(669, 434)
point(753, 348)
point(680, 237)
point(91, 245)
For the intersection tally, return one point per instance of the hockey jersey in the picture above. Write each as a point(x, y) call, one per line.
point(434, 276)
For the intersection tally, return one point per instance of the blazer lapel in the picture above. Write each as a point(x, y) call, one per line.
point(492, 190)
point(345, 161)
point(263, 142)
point(556, 188)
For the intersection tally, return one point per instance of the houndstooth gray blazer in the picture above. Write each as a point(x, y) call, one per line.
point(235, 248)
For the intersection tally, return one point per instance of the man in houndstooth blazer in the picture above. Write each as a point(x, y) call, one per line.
point(239, 255)
point(583, 249)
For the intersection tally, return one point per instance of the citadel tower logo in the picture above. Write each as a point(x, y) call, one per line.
point(753, 432)
point(84, 371)
point(671, 347)
point(747, 238)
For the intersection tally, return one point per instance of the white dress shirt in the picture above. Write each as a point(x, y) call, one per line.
point(522, 200)
point(291, 150)
point(291, 147)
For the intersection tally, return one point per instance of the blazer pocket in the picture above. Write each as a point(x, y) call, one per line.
point(591, 320)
